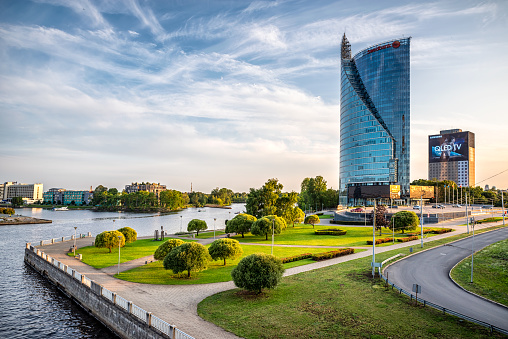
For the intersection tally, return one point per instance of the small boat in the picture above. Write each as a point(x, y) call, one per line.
point(63, 208)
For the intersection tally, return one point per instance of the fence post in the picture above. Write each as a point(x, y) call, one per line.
point(83, 279)
point(42, 241)
point(73, 273)
point(100, 290)
point(39, 252)
point(28, 244)
point(89, 234)
point(129, 307)
point(174, 332)
point(63, 239)
point(114, 298)
point(149, 318)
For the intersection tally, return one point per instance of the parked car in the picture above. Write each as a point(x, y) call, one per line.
point(358, 209)
point(487, 207)
point(457, 205)
point(416, 207)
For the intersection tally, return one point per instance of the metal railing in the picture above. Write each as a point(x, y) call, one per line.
point(146, 317)
point(441, 308)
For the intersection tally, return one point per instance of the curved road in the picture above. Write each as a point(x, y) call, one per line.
point(430, 270)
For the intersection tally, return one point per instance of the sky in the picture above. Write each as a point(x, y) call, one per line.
point(231, 93)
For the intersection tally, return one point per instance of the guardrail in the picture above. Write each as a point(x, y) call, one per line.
point(62, 239)
point(146, 317)
point(491, 327)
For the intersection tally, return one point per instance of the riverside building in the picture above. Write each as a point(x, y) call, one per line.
point(374, 121)
point(452, 157)
point(29, 192)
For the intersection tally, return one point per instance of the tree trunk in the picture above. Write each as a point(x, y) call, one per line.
point(242, 235)
point(266, 236)
point(188, 273)
point(224, 261)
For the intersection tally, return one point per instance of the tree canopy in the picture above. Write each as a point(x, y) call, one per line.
point(404, 221)
point(312, 219)
point(263, 226)
point(130, 234)
point(241, 223)
point(258, 271)
point(225, 248)
point(263, 201)
point(109, 239)
point(166, 247)
point(196, 225)
point(191, 256)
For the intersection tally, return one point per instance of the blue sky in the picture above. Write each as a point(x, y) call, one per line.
point(230, 93)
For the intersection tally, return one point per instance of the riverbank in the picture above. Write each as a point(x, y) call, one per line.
point(20, 220)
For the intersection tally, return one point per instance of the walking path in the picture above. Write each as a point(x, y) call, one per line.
point(177, 304)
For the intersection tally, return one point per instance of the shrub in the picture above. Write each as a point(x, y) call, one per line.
point(379, 241)
point(404, 221)
point(109, 239)
point(196, 225)
point(258, 271)
point(330, 231)
point(312, 219)
point(225, 249)
point(241, 223)
point(407, 239)
point(332, 254)
point(191, 256)
point(296, 257)
point(263, 226)
point(441, 230)
point(130, 234)
point(166, 247)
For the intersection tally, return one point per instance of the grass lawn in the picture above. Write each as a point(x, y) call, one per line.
point(490, 275)
point(325, 216)
point(205, 235)
point(100, 257)
point(154, 273)
point(340, 301)
point(304, 235)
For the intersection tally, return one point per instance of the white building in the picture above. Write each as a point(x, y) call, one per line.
point(29, 192)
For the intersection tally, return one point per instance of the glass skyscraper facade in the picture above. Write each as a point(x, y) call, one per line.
point(375, 116)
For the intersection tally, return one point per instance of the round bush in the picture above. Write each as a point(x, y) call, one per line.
point(225, 249)
point(130, 234)
point(258, 271)
point(166, 247)
point(191, 256)
point(109, 239)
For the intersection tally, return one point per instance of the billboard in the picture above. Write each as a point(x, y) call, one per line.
point(449, 147)
point(394, 191)
point(415, 192)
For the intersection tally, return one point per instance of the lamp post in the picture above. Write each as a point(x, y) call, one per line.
point(74, 248)
point(502, 204)
point(214, 228)
point(273, 232)
point(119, 238)
point(421, 218)
point(181, 221)
point(374, 240)
point(472, 253)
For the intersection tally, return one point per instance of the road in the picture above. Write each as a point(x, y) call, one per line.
point(430, 270)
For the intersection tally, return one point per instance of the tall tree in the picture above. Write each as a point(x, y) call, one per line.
point(263, 201)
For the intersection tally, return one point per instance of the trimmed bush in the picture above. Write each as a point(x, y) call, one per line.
point(241, 223)
point(196, 225)
point(330, 231)
point(296, 257)
point(130, 234)
point(379, 241)
point(166, 247)
point(312, 219)
point(225, 249)
point(191, 256)
point(258, 271)
point(407, 239)
point(332, 254)
point(109, 239)
point(441, 230)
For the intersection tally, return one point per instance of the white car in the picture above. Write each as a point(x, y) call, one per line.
point(416, 207)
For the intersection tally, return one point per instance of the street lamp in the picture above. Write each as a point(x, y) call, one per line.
point(119, 238)
point(214, 228)
point(181, 224)
point(273, 232)
point(74, 249)
point(502, 204)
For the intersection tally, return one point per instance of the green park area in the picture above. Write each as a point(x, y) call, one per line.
point(339, 301)
point(490, 273)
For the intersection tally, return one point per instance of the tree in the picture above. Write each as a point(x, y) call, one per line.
point(225, 249)
point(380, 218)
point(172, 199)
point(313, 192)
point(312, 219)
point(263, 201)
point(241, 223)
point(286, 205)
point(130, 234)
point(17, 201)
point(258, 271)
point(109, 239)
point(263, 226)
point(196, 225)
point(296, 215)
point(404, 221)
point(166, 247)
point(191, 256)
point(99, 195)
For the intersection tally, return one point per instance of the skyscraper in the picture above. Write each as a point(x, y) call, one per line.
point(375, 116)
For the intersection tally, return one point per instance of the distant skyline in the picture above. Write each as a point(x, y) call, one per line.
point(231, 93)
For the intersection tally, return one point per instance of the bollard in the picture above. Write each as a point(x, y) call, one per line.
point(53, 240)
point(129, 307)
point(74, 274)
point(114, 298)
point(42, 241)
point(89, 234)
point(28, 244)
point(63, 239)
point(83, 279)
point(149, 318)
point(80, 256)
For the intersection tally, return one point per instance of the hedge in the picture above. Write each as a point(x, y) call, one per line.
point(441, 230)
point(407, 239)
point(379, 241)
point(296, 257)
point(330, 231)
point(332, 254)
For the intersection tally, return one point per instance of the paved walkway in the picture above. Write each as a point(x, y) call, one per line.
point(177, 304)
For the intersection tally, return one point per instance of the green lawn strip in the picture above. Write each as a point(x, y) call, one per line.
point(208, 235)
point(325, 216)
point(154, 273)
point(339, 301)
point(490, 274)
point(304, 235)
point(100, 257)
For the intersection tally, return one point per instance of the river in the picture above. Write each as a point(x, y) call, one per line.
point(31, 307)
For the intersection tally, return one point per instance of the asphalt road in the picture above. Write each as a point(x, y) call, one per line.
point(430, 270)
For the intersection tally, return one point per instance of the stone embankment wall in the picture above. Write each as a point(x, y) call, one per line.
point(90, 296)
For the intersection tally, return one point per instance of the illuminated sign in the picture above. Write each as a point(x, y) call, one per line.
point(395, 44)
point(448, 147)
point(394, 191)
point(417, 192)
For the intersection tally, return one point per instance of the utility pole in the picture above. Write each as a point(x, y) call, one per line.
point(421, 217)
point(374, 240)
point(472, 254)
point(467, 215)
point(502, 204)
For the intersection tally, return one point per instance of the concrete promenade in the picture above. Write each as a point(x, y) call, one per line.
point(177, 304)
